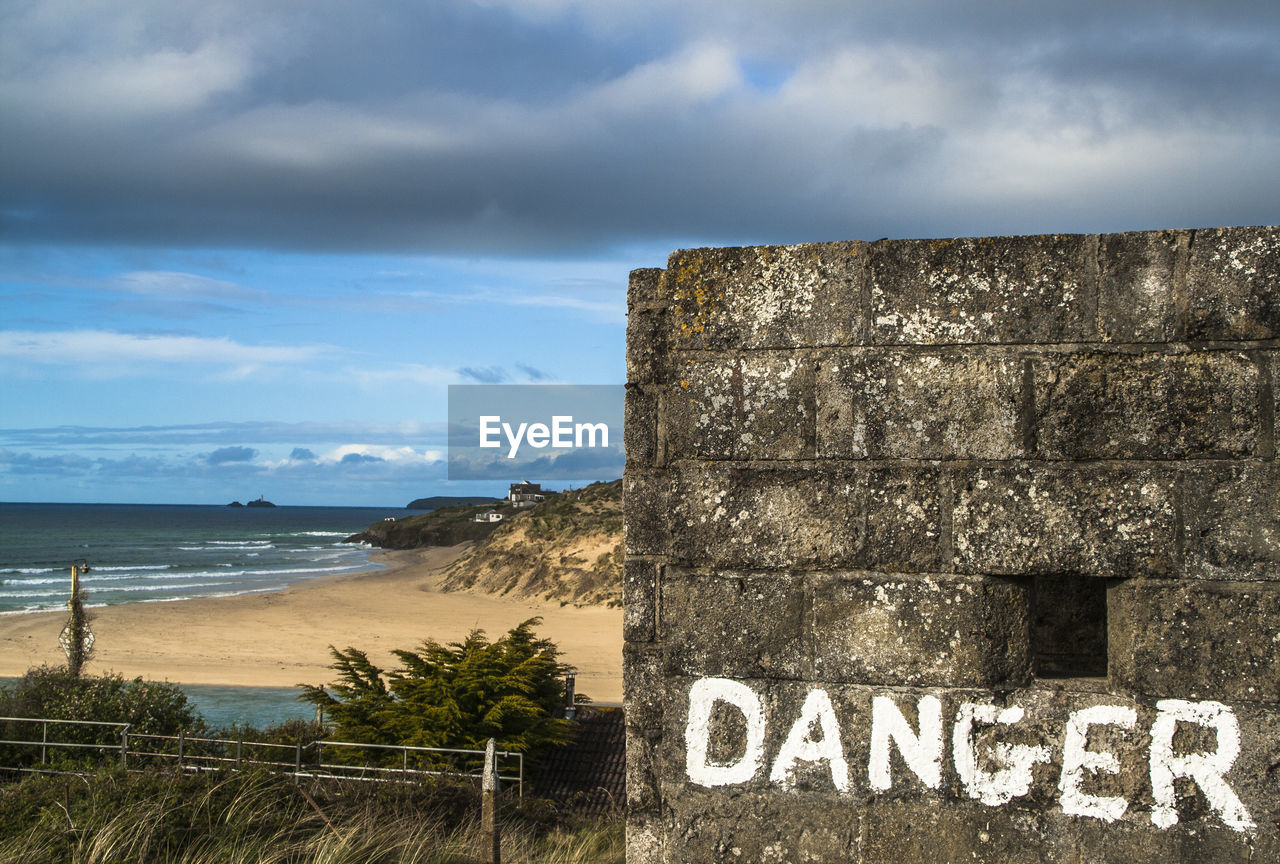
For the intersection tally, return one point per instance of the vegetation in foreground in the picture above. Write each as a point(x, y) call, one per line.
point(443, 695)
point(166, 816)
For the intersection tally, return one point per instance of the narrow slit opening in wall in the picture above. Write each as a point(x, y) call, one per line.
point(1068, 626)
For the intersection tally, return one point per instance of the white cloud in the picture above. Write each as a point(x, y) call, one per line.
point(383, 453)
point(109, 354)
point(407, 373)
point(164, 283)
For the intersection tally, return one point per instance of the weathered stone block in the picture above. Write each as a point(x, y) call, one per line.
point(921, 631)
point(644, 288)
point(1271, 413)
point(735, 624)
point(1137, 294)
point(639, 425)
point(639, 600)
point(1096, 520)
point(842, 516)
point(767, 296)
point(1200, 640)
point(752, 828)
point(993, 289)
point(1147, 406)
point(643, 687)
point(896, 404)
point(751, 406)
point(1232, 283)
point(904, 519)
point(646, 498)
point(915, 833)
point(645, 841)
point(642, 770)
point(1232, 520)
point(646, 328)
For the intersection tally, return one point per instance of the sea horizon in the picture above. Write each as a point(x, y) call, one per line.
point(139, 553)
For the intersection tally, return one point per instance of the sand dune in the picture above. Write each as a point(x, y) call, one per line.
point(282, 639)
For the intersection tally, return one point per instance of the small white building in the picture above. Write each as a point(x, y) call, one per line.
point(487, 516)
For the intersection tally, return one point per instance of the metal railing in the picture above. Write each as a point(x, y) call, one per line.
point(207, 754)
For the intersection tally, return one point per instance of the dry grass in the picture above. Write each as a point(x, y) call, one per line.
point(262, 819)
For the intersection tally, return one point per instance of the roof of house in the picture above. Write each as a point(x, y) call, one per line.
point(589, 775)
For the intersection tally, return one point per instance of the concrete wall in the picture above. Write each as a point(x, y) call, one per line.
point(960, 550)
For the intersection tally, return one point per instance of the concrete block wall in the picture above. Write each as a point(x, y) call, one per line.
point(956, 550)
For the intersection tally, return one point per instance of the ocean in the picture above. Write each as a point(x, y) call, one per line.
point(159, 553)
point(140, 553)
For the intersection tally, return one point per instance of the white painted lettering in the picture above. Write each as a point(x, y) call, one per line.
point(1076, 759)
point(1206, 769)
point(1013, 780)
point(703, 696)
point(799, 747)
point(922, 753)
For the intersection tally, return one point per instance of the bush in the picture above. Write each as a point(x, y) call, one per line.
point(147, 706)
point(455, 695)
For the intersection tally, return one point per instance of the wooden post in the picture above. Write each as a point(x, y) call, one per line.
point(492, 853)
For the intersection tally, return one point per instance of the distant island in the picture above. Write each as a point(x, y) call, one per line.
point(235, 504)
point(435, 502)
point(258, 502)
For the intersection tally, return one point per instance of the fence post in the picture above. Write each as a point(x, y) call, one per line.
point(182, 741)
point(297, 759)
point(489, 807)
point(239, 745)
point(44, 740)
point(124, 747)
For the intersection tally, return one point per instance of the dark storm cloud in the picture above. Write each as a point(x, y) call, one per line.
point(553, 128)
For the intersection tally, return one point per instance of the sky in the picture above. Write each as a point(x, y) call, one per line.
point(246, 247)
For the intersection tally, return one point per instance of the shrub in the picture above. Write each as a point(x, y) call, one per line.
point(147, 706)
point(455, 695)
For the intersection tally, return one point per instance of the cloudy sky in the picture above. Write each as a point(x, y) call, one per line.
point(245, 246)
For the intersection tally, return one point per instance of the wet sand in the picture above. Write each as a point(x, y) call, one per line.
point(282, 639)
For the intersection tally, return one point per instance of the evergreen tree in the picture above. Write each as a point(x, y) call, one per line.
point(455, 695)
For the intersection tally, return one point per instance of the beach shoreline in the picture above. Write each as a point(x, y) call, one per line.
point(282, 638)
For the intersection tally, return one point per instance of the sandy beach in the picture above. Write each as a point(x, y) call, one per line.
point(282, 639)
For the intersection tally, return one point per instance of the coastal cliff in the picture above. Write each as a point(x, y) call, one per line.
point(567, 548)
point(446, 526)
